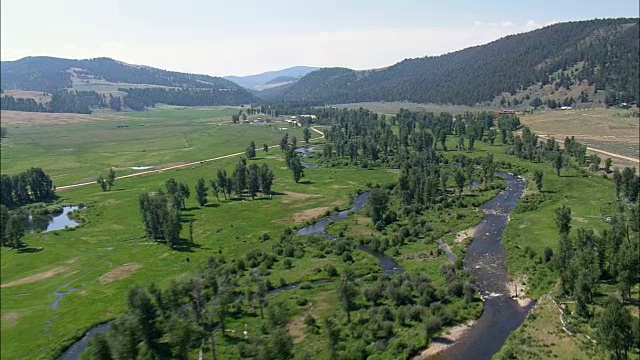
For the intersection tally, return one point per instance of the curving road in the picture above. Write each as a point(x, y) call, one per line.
point(65, 187)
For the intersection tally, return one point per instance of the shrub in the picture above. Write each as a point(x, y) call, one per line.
point(331, 270)
point(547, 254)
point(346, 256)
point(432, 325)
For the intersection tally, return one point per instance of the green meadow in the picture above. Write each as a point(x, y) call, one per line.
point(97, 262)
point(112, 235)
point(79, 152)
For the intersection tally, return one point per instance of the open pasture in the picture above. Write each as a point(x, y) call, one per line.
point(89, 145)
point(613, 130)
point(97, 262)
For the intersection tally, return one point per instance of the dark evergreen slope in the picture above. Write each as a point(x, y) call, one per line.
point(41, 73)
point(602, 52)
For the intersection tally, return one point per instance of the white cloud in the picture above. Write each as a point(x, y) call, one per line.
point(506, 24)
point(532, 25)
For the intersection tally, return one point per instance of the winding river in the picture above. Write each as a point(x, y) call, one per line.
point(484, 259)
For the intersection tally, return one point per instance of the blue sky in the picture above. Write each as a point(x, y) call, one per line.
point(245, 37)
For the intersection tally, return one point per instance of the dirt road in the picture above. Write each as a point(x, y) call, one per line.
point(65, 187)
point(628, 158)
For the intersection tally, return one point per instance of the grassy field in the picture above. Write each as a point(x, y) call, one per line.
point(80, 151)
point(100, 260)
point(96, 263)
point(38, 96)
point(613, 130)
point(542, 337)
point(92, 257)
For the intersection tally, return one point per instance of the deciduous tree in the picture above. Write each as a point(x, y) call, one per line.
point(201, 192)
point(347, 292)
point(563, 219)
point(537, 178)
point(614, 329)
point(307, 135)
point(111, 178)
point(251, 150)
point(253, 180)
point(102, 182)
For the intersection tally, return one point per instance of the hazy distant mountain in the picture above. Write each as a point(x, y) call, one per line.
point(282, 79)
point(257, 81)
point(564, 58)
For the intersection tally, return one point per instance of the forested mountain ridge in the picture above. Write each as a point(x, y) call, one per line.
point(600, 52)
point(80, 86)
point(42, 73)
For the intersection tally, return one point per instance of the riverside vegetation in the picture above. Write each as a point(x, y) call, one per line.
point(211, 291)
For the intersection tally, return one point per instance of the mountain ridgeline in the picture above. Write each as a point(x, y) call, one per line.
point(42, 73)
point(603, 53)
point(558, 65)
point(82, 84)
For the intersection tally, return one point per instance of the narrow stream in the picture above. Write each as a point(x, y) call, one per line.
point(388, 265)
point(485, 259)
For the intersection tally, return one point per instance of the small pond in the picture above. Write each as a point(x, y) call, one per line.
point(47, 222)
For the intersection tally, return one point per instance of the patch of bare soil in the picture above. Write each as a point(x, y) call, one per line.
point(296, 326)
point(293, 196)
point(118, 273)
point(470, 232)
point(441, 343)
point(518, 290)
point(36, 277)
point(9, 318)
point(310, 214)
